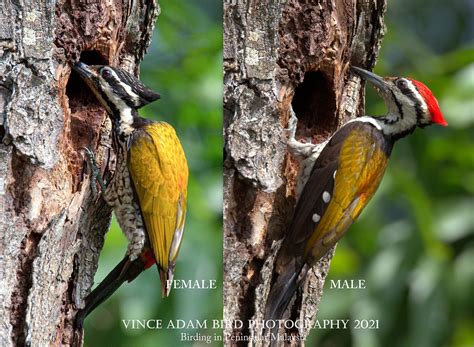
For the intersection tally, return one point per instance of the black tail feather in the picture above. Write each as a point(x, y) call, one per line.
point(281, 293)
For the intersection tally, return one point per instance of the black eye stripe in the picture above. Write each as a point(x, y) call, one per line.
point(404, 86)
point(117, 88)
point(399, 105)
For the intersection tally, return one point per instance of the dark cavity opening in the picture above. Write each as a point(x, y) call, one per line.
point(314, 104)
point(2, 132)
point(82, 101)
point(76, 89)
point(92, 58)
point(86, 115)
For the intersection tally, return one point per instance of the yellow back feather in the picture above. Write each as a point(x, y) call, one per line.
point(159, 172)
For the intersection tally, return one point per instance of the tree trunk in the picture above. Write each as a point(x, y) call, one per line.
point(281, 56)
point(52, 229)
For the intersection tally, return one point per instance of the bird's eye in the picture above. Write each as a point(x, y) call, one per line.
point(402, 84)
point(105, 73)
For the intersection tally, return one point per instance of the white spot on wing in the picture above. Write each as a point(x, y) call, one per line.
point(326, 197)
point(316, 217)
point(334, 174)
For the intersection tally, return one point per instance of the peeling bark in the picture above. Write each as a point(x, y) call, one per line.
point(281, 56)
point(52, 230)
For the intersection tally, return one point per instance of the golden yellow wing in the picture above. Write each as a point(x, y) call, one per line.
point(362, 163)
point(159, 173)
point(343, 179)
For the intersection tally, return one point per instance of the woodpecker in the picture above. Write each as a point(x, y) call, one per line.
point(148, 191)
point(339, 178)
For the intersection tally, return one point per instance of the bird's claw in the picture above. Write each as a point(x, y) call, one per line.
point(95, 175)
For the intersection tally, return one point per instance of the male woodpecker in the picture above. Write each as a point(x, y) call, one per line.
point(148, 191)
point(340, 179)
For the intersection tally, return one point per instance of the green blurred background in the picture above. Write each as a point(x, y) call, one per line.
point(184, 64)
point(414, 243)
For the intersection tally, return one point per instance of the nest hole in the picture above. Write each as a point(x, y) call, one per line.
point(83, 104)
point(314, 104)
point(87, 115)
point(2, 132)
point(76, 89)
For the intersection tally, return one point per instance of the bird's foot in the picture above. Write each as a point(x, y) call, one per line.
point(94, 172)
point(300, 149)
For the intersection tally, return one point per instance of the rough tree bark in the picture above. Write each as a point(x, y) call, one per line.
point(51, 230)
point(278, 56)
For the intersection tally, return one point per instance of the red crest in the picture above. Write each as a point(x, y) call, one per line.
point(431, 103)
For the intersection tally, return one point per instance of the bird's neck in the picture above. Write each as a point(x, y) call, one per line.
point(392, 125)
point(123, 120)
point(397, 123)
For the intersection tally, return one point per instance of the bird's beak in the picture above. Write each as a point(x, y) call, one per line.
point(89, 76)
point(83, 70)
point(377, 81)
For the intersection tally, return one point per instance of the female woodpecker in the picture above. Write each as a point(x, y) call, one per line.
point(148, 191)
point(338, 180)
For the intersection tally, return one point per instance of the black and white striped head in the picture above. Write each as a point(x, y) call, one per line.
point(116, 89)
point(407, 100)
